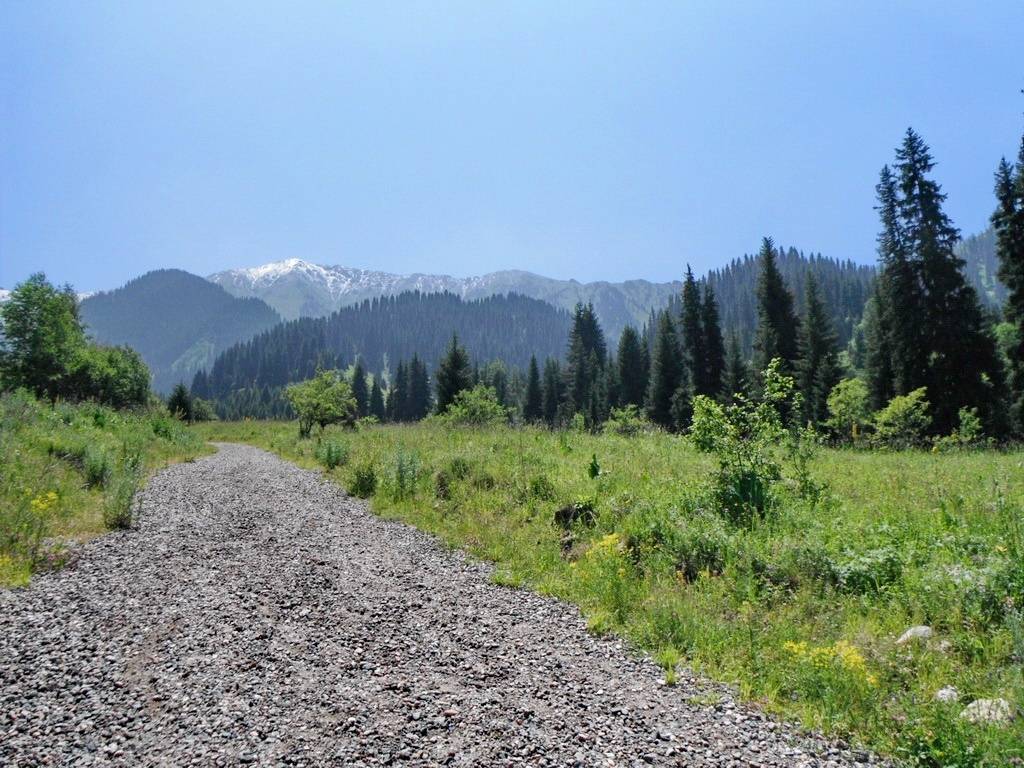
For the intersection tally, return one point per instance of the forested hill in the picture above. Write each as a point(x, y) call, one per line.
point(385, 330)
point(177, 321)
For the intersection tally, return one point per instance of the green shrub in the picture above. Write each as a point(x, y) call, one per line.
point(325, 399)
point(364, 481)
point(848, 409)
point(332, 454)
point(869, 572)
point(443, 483)
point(628, 422)
point(904, 421)
point(476, 407)
point(407, 472)
point(542, 488)
point(459, 468)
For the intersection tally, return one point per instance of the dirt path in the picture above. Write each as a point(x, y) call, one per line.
point(260, 616)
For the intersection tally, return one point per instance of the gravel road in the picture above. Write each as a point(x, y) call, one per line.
point(260, 616)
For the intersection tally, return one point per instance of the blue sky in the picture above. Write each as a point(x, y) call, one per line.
point(586, 140)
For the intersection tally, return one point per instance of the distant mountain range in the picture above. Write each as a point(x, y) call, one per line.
point(297, 288)
point(177, 321)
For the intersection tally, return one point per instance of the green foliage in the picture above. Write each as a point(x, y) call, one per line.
point(202, 410)
point(453, 375)
point(777, 324)
point(407, 473)
point(593, 468)
point(332, 453)
point(668, 377)
point(324, 399)
point(848, 409)
point(476, 407)
point(118, 510)
point(179, 404)
point(627, 421)
point(44, 350)
point(364, 481)
point(96, 466)
point(904, 421)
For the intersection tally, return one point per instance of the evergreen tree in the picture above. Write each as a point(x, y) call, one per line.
point(736, 378)
point(585, 363)
point(179, 404)
point(937, 335)
point(1008, 220)
point(777, 325)
point(552, 391)
point(817, 370)
point(714, 347)
point(668, 372)
point(419, 389)
point(376, 404)
point(453, 375)
point(533, 405)
point(398, 395)
point(634, 368)
point(692, 333)
point(878, 355)
point(359, 389)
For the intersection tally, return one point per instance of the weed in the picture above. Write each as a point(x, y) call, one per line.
point(364, 481)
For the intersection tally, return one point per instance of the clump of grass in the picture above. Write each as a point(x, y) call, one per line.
point(332, 454)
point(364, 481)
point(119, 507)
point(96, 467)
point(407, 472)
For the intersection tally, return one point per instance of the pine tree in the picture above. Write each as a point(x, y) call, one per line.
point(736, 378)
point(1008, 221)
point(398, 395)
point(777, 325)
point(878, 355)
point(376, 404)
point(179, 404)
point(533, 405)
point(453, 375)
point(817, 369)
point(692, 332)
point(939, 337)
point(668, 372)
point(359, 389)
point(714, 347)
point(552, 391)
point(633, 367)
point(419, 389)
point(585, 363)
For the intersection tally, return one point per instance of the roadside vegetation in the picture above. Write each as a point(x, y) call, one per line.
point(796, 590)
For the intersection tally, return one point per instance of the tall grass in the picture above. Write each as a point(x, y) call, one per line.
point(72, 471)
point(799, 609)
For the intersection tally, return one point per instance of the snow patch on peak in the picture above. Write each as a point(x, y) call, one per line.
point(4, 294)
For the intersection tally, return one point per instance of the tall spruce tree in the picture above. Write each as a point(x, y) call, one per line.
point(552, 391)
point(585, 363)
point(376, 405)
point(633, 367)
point(359, 389)
point(419, 389)
point(453, 375)
point(668, 375)
point(533, 404)
point(398, 394)
point(1008, 221)
point(691, 330)
point(777, 324)
point(931, 320)
point(714, 346)
point(817, 369)
point(736, 379)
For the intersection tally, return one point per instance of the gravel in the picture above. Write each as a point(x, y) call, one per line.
point(260, 616)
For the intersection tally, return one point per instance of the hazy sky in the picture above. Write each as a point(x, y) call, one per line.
point(586, 140)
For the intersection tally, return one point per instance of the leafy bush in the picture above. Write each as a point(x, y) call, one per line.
point(364, 481)
point(325, 399)
point(869, 572)
point(969, 432)
point(628, 422)
point(848, 409)
point(904, 421)
point(476, 407)
point(202, 410)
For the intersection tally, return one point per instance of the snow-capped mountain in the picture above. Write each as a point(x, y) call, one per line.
point(4, 295)
point(297, 288)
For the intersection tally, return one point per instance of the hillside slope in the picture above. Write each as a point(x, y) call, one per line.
point(177, 321)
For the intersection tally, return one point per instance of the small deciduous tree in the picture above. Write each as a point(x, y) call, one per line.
point(849, 409)
point(476, 407)
point(324, 399)
point(904, 421)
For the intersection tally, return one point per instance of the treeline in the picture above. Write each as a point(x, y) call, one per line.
point(925, 362)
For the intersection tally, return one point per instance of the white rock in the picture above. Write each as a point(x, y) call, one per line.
point(988, 711)
point(947, 694)
point(921, 632)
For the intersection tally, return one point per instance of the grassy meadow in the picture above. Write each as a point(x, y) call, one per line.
point(70, 472)
point(800, 610)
